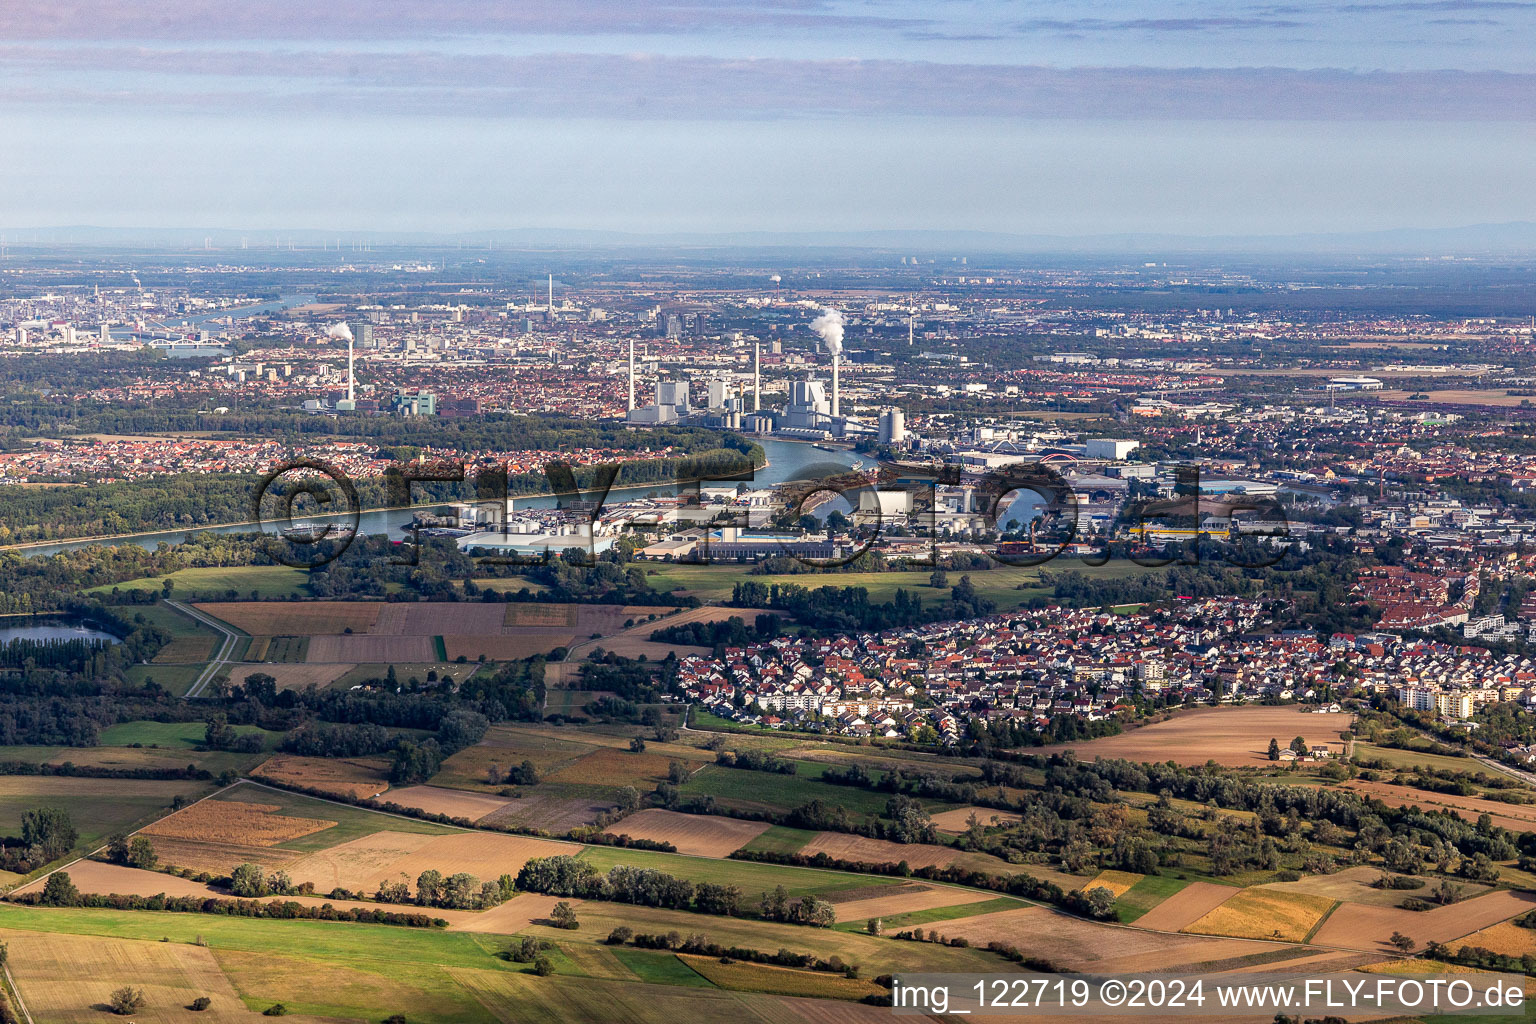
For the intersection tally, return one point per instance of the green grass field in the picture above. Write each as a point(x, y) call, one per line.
point(186, 735)
point(660, 968)
point(1418, 759)
point(265, 581)
point(754, 879)
point(779, 839)
point(97, 807)
point(735, 787)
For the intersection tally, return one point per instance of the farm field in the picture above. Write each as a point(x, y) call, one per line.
point(735, 787)
point(67, 978)
point(350, 777)
point(268, 581)
point(131, 757)
point(1186, 906)
point(1262, 913)
point(1117, 882)
point(363, 863)
point(1080, 945)
point(453, 802)
point(779, 839)
point(753, 878)
point(98, 807)
point(956, 821)
point(1515, 817)
point(844, 846)
point(249, 824)
point(1356, 926)
point(697, 834)
point(904, 900)
point(183, 735)
point(1230, 736)
point(1152, 890)
point(714, 583)
point(1506, 938)
point(354, 649)
point(606, 766)
point(1353, 884)
point(296, 676)
point(741, 977)
point(186, 650)
point(294, 618)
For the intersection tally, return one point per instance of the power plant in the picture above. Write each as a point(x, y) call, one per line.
point(813, 411)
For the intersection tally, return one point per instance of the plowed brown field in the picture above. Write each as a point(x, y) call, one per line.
point(1186, 906)
point(295, 618)
point(882, 851)
point(1355, 926)
point(352, 778)
point(456, 803)
point(701, 835)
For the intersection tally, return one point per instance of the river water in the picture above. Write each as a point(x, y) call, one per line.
point(787, 460)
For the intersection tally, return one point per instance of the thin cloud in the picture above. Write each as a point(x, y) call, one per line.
point(679, 88)
point(192, 20)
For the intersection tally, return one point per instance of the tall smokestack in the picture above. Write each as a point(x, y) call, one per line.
point(757, 376)
point(631, 374)
point(829, 328)
point(551, 294)
point(351, 374)
point(836, 359)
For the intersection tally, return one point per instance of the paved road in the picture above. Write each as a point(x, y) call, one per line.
point(225, 649)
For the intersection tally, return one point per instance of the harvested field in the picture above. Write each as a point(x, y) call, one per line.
point(1515, 817)
point(456, 803)
point(501, 648)
point(1353, 884)
point(555, 814)
point(1080, 945)
point(918, 855)
point(512, 916)
point(290, 676)
point(1117, 882)
point(185, 650)
point(1228, 736)
point(357, 777)
point(235, 821)
point(742, 977)
point(607, 766)
point(512, 998)
point(1506, 937)
point(348, 864)
point(66, 979)
point(1260, 913)
point(295, 618)
point(363, 864)
point(354, 649)
point(701, 835)
point(1354, 926)
point(485, 855)
point(419, 618)
point(93, 876)
point(921, 897)
point(1186, 906)
point(955, 820)
point(219, 858)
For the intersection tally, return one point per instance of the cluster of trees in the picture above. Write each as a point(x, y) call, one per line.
point(807, 910)
point(460, 891)
point(61, 891)
point(755, 760)
point(647, 887)
point(137, 852)
point(46, 835)
point(733, 632)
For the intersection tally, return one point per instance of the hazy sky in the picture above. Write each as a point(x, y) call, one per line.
point(1033, 116)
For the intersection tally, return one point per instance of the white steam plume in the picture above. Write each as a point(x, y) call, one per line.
point(829, 327)
point(776, 278)
point(341, 332)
